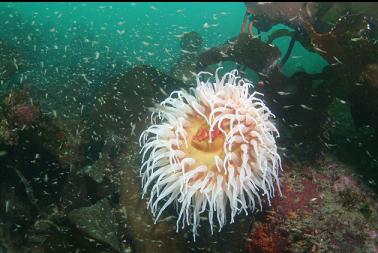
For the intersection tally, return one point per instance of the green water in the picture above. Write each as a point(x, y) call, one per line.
point(147, 33)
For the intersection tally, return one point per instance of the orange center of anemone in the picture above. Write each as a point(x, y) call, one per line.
point(202, 141)
point(201, 147)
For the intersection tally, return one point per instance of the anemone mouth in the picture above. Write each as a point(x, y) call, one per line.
point(205, 144)
point(210, 149)
point(207, 140)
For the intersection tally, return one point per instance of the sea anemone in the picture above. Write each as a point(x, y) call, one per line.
point(208, 149)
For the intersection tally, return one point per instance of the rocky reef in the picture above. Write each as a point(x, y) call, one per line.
point(324, 208)
point(121, 105)
point(69, 152)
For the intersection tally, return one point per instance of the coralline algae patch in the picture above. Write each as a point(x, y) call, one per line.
point(298, 195)
point(320, 211)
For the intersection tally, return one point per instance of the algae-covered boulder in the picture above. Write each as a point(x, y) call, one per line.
point(121, 105)
point(97, 221)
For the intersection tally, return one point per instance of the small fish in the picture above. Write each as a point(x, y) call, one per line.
point(341, 101)
point(15, 63)
point(6, 206)
point(282, 93)
point(85, 78)
point(163, 91)
point(368, 154)
point(356, 39)
point(320, 50)
point(306, 107)
point(337, 60)
point(179, 36)
point(372, 182)
point(205, 26)
point(184, 78)
point(295, 125)
point(223, 54)
point(262, 74)
point(186, 51)
point(120, 32)
point(328, 145)
point(132, 129)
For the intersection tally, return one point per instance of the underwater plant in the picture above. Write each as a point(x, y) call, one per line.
point(209, 149)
